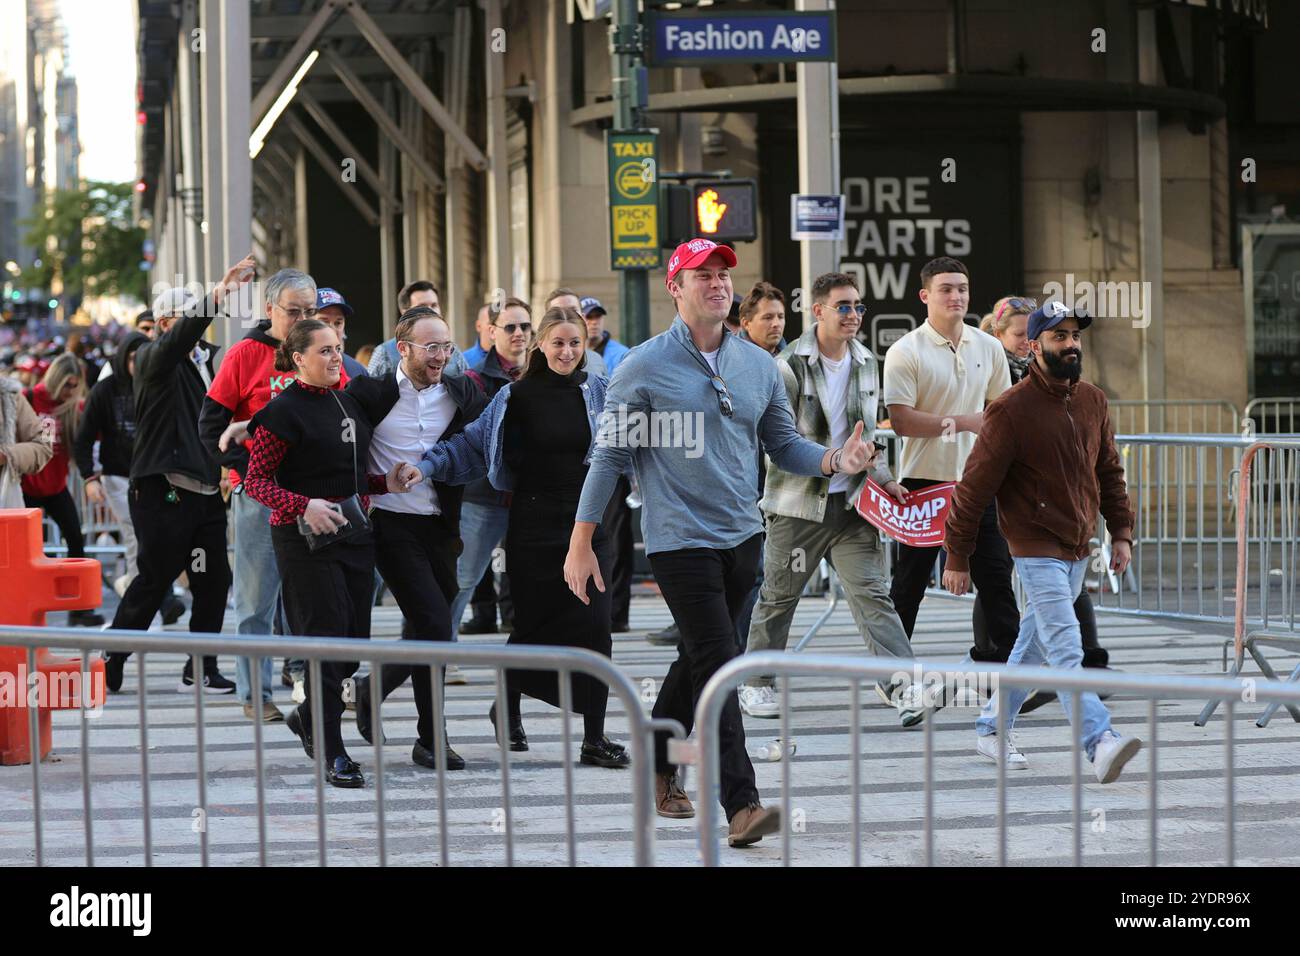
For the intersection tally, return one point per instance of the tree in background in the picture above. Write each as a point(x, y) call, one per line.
point(89, 242)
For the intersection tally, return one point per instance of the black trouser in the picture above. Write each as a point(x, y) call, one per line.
point(416, 555)
point(990, 570)
point(705, 590)
point(62, 510)
point(187, 535)
point(327, 593)
point(617, 523)
point(484, 600)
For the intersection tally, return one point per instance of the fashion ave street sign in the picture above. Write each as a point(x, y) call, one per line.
point(693, 39)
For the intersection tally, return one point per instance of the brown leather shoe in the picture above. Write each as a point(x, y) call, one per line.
point(752, 824)
point(270, 713)
point(671, 800)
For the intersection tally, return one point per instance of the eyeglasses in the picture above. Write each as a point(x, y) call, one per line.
point(510, 328)
point(433, 348)
point(845, 310)
point(1018, 304)
point(297, 314)
point(724, 396)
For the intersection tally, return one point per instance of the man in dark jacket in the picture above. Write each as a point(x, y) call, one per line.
point(1046, 453)
point(417, 538)
point(175, 503)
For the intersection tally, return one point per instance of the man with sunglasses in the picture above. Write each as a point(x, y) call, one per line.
point(700, 517)
point(938, 379)
point(484, 514)
point(831, 381)
point(245, 383)
point(417, 537)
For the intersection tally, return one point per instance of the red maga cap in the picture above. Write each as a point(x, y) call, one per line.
point(691, 253)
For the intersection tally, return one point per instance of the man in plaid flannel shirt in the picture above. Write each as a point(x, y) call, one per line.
point(832, 380)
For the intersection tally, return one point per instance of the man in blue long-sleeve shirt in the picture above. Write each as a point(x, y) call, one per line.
point(689, 409)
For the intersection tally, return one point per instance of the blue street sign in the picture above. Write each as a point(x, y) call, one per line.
point(694, 39)
point(816, 217)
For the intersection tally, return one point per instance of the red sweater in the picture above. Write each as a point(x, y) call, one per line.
point(53, 478)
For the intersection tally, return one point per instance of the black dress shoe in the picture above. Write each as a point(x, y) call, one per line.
point(113, 667)
point(518, 742)
point(1038, 698)
point(477, 625)
point(425, 757)
point(343, 772)
point(604, 753)
point(294, 723)
point(84, 619)
point(619, 627)
point(172, 610)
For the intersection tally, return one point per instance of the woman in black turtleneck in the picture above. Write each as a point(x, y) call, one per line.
point(535, 440)
point(309, 448)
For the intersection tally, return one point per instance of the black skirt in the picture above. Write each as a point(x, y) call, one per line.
point(546, 612)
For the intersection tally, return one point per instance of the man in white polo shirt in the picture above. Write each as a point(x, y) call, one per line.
point(938, 378)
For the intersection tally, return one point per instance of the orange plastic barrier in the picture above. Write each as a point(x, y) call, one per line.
point(30, 586)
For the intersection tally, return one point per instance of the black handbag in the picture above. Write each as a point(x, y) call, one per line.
point(350, 508)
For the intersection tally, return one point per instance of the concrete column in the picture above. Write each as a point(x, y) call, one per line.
point(214, 141)
point(818, 103)
point(237, 168)
point(187, 70)
point(302, 253)
point(499, 272)
point(387, 222)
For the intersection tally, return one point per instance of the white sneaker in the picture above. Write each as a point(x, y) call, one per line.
point(760, 701)
point(454, 676)
point(987, 746)
point(883, 694)
point(1113, 751)
point(299, 694)
point(911, 705)
point(776, 749)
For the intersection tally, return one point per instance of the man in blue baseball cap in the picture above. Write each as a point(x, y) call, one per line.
point(598, 338)
point(333, 310)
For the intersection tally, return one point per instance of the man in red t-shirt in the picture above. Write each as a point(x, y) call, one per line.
point(247, 381)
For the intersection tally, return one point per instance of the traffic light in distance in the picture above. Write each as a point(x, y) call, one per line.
point(725, 209)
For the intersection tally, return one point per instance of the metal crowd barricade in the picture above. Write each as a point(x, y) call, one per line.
point(858, 670)
point(1176, 416)
point(566, 662)
point(1267, 542)
point(1273, 416)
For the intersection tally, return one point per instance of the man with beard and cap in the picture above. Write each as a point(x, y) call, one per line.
point(1046, 454)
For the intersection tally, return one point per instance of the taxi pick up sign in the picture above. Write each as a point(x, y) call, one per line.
point(919, 523)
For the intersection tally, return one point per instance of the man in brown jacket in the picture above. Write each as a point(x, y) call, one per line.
point(1046, 453)
point(25, 446)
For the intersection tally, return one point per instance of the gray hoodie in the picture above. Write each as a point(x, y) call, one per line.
point(697, 469)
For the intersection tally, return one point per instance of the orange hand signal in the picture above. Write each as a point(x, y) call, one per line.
point(709, 210)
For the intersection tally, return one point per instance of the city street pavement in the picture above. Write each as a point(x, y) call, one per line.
point(1115, 818)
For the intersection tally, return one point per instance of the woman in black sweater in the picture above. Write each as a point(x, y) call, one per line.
point(308, 450)
point(535, 440)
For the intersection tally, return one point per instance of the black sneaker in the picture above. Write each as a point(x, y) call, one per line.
point(1038, 698)
point(172, 610)
point(619, 627)
point(670, 635)
point(213, 683)
point(477, 625)
point(114, 664)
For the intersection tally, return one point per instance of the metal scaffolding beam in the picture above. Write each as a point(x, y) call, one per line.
point(386, 123)
point(289, 64)
point(318, 152)
point(341, 142)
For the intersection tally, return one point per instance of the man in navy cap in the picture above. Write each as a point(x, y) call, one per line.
point(1046, 454)
point(598, 338)
point(334, 311)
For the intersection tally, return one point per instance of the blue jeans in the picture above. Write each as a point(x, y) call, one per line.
point(1049, 635)
point(482, 527)
point(257, 587)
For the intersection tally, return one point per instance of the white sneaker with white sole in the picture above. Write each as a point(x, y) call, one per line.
point(760, 701)
point(1112, 752)
point(987, 746)
point(452, 675)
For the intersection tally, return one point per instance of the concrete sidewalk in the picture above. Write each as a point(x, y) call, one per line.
point(1115, 818)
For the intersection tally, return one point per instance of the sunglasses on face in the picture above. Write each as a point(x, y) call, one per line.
point(845, 309)
point(724, 396)
point(510, 328)
point(433, 348)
